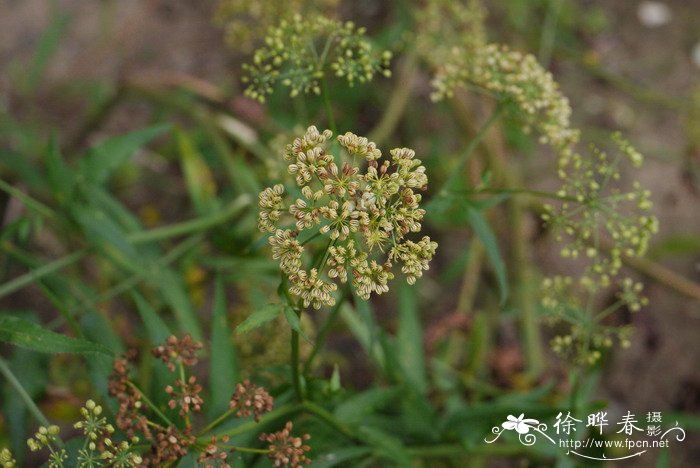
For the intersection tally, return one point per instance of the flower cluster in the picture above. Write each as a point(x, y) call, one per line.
point(366, 217)
point(213, 456)
point(6, 460)
point(598, 220)
point(178, 352)
point(302, 49)
point(587, 336)
point(46, 437)
point(185, 395)
point(453, 42)
point(286, 450)
point(167, 443)
point(250, 399)
point(98, 450)
point(245, 21)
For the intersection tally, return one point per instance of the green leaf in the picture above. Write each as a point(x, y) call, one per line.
point(409, 339)
point(356, 408)
point(223, 374)
point(175, 294)
point(22, 167)
point(108, 155)
point(61, 178)
point(107, 236)
point(158, 331)
point(387, 445)
point(337, 457)
point(294, 321)
point(485, 234)
point(260, 317)
point(29, 335)
point(198, 178)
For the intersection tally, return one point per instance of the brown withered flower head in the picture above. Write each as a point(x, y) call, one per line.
point(169, 445)
point(286, 450)
point(175, 352)
point(128, 417)
point(251, 399)
point(212, 457)
point(185, 395)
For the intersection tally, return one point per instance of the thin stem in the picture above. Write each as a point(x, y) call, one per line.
point(323, 333)
point(518, 191)
point(31, 406)
point(34, 275)
point(549, 32)
point(328, 418)
point(182, 379)
point(193, 225)
point(455, 172)
point(296, 377)
point(328, 106)
point(244, 449)
point(28, 201)
point(252, 425)
point(399, 99)
point(217, 421)
point(151, 404)
point(607, 311)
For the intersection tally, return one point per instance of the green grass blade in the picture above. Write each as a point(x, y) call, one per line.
point(108, 155)
point(487, 237)
point(223, 373)
point(157, 330)
point(409, 339)
point(25, 334)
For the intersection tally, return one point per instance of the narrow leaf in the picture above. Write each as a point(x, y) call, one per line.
point(223, 374)
point(409, 339)
point(29, 335)
point(485, 234)
point(260, 317)
point(198, 178)
point(175, 295)
point(108, 155)
point(157, 329)
point(61, 178)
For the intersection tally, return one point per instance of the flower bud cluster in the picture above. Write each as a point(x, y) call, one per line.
point(366, 216)
point(6, 460)
point(301, 50)
point(597, 220)
point(245, 21)
point(587, 337)
point(453, 41)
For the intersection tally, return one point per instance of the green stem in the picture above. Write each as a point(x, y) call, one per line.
point(30, 277)
point(399, 99)
point(549, 31)
point(217, 421)
point(517, 191)
point(193, 225)
point(28, 201)
point(323, 333)
point(296, 377)
point(244, 449)
point(31, 406)
point(280, 412)
point(456, 172)
point(152, 405)
point(328, 418)
point(328, 106)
